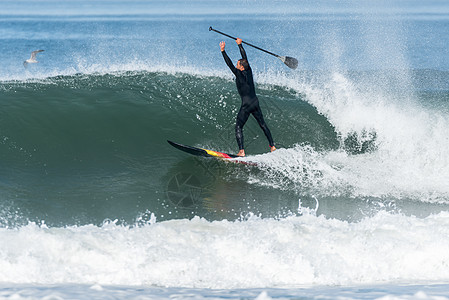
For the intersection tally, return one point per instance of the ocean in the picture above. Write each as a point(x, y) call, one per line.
point(95, 204)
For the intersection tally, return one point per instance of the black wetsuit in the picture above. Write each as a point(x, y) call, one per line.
point(250, 103)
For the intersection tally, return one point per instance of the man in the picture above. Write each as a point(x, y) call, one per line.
point(250, 103)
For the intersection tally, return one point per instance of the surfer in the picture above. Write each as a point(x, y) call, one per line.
point(250, 102)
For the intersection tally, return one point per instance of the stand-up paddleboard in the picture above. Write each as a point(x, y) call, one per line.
point(201, 152)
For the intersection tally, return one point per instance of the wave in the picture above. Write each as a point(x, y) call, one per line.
point(250, 253)
point(70, 112)
point(88, 140)
point(72, 145)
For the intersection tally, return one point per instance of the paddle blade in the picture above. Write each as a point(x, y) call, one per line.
point(291, 62)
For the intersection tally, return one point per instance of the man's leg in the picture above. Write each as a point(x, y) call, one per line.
point(257, 113)
point(242, 117)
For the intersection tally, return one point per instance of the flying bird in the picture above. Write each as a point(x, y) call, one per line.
point(32, 59)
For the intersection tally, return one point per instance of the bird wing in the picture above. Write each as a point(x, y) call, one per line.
point(34, 53)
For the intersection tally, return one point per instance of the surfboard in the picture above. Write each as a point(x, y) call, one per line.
point(201, 152)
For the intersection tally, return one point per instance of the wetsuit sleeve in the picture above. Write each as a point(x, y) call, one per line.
point(242, 52)
point(229, 62)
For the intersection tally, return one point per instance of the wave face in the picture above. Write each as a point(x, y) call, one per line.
point(79, 149)
point(92, 193)
point(95, 145)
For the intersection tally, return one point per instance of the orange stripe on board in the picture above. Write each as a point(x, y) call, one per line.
point(217, 154)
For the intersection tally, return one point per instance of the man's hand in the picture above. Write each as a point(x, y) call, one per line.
point(222, 46)
point(239, 41)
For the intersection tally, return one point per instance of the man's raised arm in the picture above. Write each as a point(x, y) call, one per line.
point(242, 51)
point(226, 58)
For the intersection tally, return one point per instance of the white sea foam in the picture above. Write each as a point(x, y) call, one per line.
point(290, 252)
point(409, 158)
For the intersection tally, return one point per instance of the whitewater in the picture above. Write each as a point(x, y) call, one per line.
point(197, 253)
point(95, 204)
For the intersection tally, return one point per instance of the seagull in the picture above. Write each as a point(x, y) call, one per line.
point(32, 59)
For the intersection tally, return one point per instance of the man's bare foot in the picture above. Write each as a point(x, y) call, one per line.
point(273, 148)
point(241, 153)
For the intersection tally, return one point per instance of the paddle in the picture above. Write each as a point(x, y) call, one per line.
point(287, 60)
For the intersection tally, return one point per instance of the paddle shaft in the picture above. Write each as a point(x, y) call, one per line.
point(258, 48)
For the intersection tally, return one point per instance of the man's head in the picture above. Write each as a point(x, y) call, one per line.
point(242, 64)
